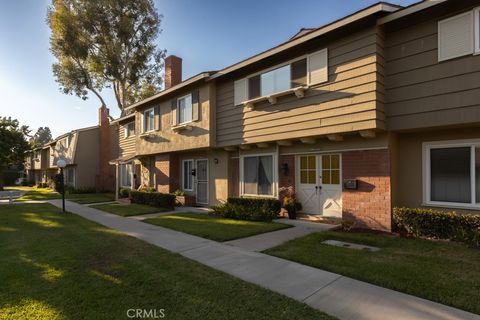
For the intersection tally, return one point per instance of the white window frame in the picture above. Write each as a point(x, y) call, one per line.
point(190, 174)
point(144, 118)
point(275, 176)
point(178, 109)
point(281, 65)
point(131, 175)
point(476, 31)
point(426, 170)
point(125, 129)
point(65, 175)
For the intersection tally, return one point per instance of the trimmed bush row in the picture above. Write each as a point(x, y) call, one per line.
point(438, 224)
point(155, 199)
point(254, 209)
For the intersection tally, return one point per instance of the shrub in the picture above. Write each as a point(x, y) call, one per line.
point(438, 224)
point(57, 182)
point(156, 199)
point(124, 193)
point(255, 209)
point(179, 193)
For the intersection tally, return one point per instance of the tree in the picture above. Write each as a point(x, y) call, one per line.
point(42, 136)
point(106, 44)
point(13, 144)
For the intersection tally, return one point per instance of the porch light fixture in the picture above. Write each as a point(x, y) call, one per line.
point(215, 160)
point(62, 164)
point(284, 168)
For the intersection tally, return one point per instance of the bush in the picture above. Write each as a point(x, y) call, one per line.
point(156, 199)
point(179, 193)
point(42, 185)
point(124, 193)
point(57, 182)
point(437, 224)
point(255, 209)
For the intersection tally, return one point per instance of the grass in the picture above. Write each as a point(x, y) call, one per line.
point(61, 266)
point(126, 210)
point(42, 194)
point(444, 272)
point(212, 227)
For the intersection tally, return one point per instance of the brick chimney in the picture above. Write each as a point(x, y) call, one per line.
point(173, 71)
point(105, 179)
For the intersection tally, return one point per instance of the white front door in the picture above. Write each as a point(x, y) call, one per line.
point(319, 188)
point(202, 181)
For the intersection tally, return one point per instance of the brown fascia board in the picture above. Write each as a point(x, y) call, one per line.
point(411, 9)
point(192, 80)
point(131, 115)
point(356, 16)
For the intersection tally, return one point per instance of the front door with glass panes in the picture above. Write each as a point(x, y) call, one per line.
point(319, 186)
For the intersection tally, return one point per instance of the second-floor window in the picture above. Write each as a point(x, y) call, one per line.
point(148, 120)
point(129, 129)
point(184, 109)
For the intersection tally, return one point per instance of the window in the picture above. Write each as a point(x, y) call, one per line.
point(126, 171)
point(456, 36)
point(331, 169)
point(275, 81)
point(258, 175)
point(308, 170)
point(310, 69)
point(452, 174)
point(69, 176)
point(148, 120)
point(185, 109)
point(129, 129)
point(187, 177)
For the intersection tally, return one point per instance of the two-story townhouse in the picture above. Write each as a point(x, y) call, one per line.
point(432, 103)
point(174, 139)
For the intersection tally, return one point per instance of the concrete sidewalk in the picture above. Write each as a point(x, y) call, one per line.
point(272, 239)
point(334, 294)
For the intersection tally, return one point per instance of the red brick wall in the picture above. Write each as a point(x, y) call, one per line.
point(370, 205)
point(105, 180)
point(167, 171)
point(173, 71)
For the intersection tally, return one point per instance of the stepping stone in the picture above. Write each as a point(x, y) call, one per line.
point(350, 245)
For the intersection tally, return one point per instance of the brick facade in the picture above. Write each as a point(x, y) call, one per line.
point(370, 205)
point(286, 178)
point(105, 179)
point(167, 172)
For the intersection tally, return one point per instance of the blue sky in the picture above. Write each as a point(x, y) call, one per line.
point(207, 34)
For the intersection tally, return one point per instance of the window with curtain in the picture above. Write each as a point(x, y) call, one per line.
point(275, 81)
point(69, 176)
point(454, 174)
point(187, 179)
point(148, 120)
point(129, 129)
point(185, 110)
point(258, 175)
point(126, 171)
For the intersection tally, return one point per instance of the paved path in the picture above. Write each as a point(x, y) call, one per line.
point(272, 239)
point(334, 294)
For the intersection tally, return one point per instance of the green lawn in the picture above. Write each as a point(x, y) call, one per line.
point(126, 210)
point(214, 228)
point(60, 266)
point(445, 272)
point(49, 194)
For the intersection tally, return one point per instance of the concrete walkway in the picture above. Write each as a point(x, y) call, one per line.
point(334, 294)
point(272, 239)
point(166, 213)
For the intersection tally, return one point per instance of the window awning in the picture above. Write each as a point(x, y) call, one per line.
point(123, 159)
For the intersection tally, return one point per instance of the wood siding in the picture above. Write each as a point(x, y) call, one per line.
point(126, 146)
point(422, 92)
point(165, 139)
point(351, 100)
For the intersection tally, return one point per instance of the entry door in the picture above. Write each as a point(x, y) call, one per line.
point(319, 184)
point(202, 181)
point(331, 187)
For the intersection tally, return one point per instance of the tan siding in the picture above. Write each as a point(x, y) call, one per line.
point(425, 93)
point(348, 102)
point(126, 146)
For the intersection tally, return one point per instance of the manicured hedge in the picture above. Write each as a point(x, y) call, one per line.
point(157, 199)
point(438, 224)
point(255, 209)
